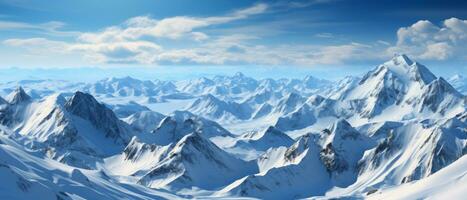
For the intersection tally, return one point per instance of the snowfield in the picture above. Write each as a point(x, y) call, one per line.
point(398, 132)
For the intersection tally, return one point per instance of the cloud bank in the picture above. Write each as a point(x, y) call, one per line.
point(187, 40)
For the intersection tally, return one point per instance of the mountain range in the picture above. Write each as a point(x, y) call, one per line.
point(398, 129)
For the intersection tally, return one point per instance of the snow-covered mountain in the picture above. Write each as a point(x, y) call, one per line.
point(398, 130)
point(262, 140)
point(196, 162)
point(28, 176)
point(144, 121)
point(76, 131)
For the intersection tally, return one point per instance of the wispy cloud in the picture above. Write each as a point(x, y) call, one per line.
point(324, 35)
point(172, 28)
point(49, 28)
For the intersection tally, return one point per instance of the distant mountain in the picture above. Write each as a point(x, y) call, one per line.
point(459, 82)
point(214, 108)
point(18, 96)
point(265, 139)
point(144, 121)
point(180, 123)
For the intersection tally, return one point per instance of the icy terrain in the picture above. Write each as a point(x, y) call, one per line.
point(398, 132)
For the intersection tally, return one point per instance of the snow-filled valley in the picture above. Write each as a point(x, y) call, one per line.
point(398, 132)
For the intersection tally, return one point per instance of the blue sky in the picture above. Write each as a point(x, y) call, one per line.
point(176, 38)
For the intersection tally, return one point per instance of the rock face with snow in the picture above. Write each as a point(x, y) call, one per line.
point(172, 128)
point(283, 172)
point(422, 149)
point(342, 148)
point(18, 96)
point(75, 132)
point(195, 161)
point(391, 83)
point(86, 107)
point(144, 121)
point(263, 140)
point(215, 108)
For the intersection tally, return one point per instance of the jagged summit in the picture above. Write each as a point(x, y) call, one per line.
point(341, 126)
point(401, 59)
point(400, 82)
point(404, 68)
point(180, 123)
point(18, 96)
point(86, 106)
point(440, 97)
point(265, 139)
point(195, 161)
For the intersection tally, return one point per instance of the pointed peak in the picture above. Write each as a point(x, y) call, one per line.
point(81, 96)
point(181, 116)
point(18, 96)
point(341, 125)
point(402, 59)
point(315, 99)
point(57, 99)
point(310, 78)
point(194, 139)
point(270, 129)
point(293, 95)
point(305, 142)
point(209, 97)
point(82, 102)
point(239, 74)
point(442, 85)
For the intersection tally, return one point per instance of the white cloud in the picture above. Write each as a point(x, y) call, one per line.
point(128, 42)
point(426, 40)
point(39, 45)
point(145, 40)
point(383, 42)
point(173, 27)
point(237, 49)
point(118, 52)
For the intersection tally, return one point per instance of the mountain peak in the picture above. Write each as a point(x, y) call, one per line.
point(239, 74)
point(18, 96)
point(86, 107)
point(341, 125)
point(401, 59)
point(81, 99)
